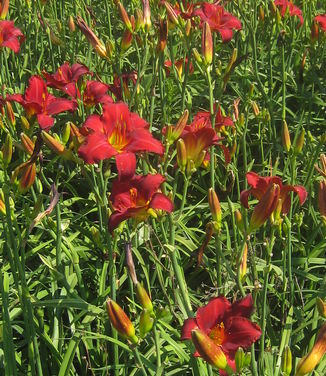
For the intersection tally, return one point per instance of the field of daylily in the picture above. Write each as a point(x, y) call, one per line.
point(162, 187)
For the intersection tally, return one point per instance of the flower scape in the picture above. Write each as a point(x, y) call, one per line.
point(162, 187)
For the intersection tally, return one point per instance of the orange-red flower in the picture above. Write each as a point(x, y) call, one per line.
point(137, 197)
point(218, 19)
point(115, 88)
point(117, 133)
point(293, 10)
point(179, 65)
point(66, 77)
point(38, 101)
point(227, 325)
point(321, 20)
point(10, 36)
point(96, 92)
point(259, 185)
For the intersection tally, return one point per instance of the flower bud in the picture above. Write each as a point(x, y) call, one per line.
point(52, 143)
point(66, 133)
point(163, 35)
point(299, 142)
point(181, 154)
point(243, 265)
point(239, 220)
point(139, 22)
point(286, 365)
point(2, 204)
point(208, 350)
point(10, 114)
point(173, 17)
point(207, 44)
point(147, 14)
point(286, 139)
point(124, 16)
point(27, 176)
point(146, 322)
point(265, 207)
point(310, 361)
point(4, 6)
point(255, 108)
point(215, 207)
point(130, 262)
point(120, 321)
point(188, 28)
point(197, 56)
point(25, 123)
point(71, 24)
point(7, 150)
point(27, 143)
point(143, 297)
point(321, 306)
point(261, 13)
point(126, 40)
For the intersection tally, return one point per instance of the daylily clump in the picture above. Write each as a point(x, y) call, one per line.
point(227, 325)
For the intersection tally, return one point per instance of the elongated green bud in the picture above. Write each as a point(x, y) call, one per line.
point(143, 298)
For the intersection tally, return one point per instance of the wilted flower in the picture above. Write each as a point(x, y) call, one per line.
point(137, 197)
point(38, 101)
point(293, 10)
point(218, 19)
point(10, 36)
point(259, 185)
point(227, 325)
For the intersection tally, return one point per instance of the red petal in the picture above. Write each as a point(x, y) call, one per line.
point(36, 90)
point(243, 307)
point(149, 184)
point(45, 121)
point(126, 165)
point(160, 201)
point(244, 196)
point(188, 326)
point(116, 218)
point(96, 148)
point(142, 140)
point(95, 123)
point(58, 105)
point(213, 313)
point(241, 332)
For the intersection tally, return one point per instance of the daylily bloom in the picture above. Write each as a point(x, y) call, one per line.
point(38, 101)
point(259, 185)
point(4, 6)
point(293, 10)
point(186, 13)
point(95, 93)
point(10, 36)
point(66, 77)
point(137, 197)
point(310, 361)
point(218, 19)
point(203, 119)
point(115, 88)
point(118, 133)
point(2, 104)
point(227, 325)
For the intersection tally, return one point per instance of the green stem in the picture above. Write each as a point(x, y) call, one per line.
point(139, 361)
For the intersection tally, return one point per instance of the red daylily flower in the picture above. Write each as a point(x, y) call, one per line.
point(203, 119)
point(137, 197)
point(259, 185)
point(66, 77)
point(118, 133)
point(10, 36)
point(179, 67)
point(218, 19)
point(2, 104)
point(115, 88)
point(288, 5)
point(228, 325)
point(38, 101)
point(321, 20)
point(95, 93)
